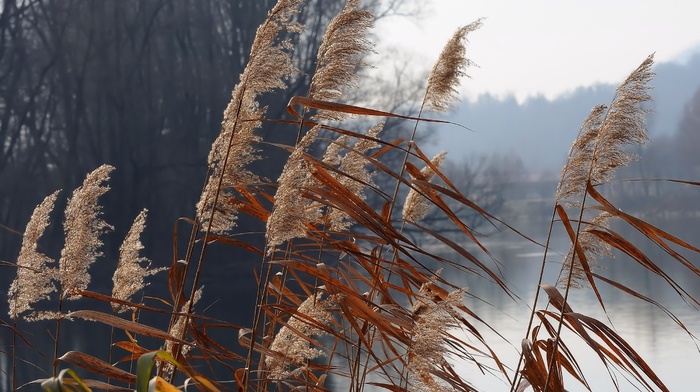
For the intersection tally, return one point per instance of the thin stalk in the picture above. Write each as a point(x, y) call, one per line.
point(560, 322)
point(540, 278)
point(57, 335)
point(14, 354)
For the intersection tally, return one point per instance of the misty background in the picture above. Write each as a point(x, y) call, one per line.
point(142, 85)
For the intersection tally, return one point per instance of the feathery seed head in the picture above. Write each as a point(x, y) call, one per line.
point(83, 228)
point(341, 52)
point(129, 276)
point(427, 350)
point(593, 247)
point(34, 280)
point(599, 148)
point(178, 330)
point(268, 69)
point(291, 346)
point(356, 177)
point(416, 206)
point(292, 210)
point(448, 69)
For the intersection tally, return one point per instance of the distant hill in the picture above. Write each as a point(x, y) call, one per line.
point(540, 131)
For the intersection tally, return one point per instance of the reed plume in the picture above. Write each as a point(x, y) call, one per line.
point(292, 210)
point(597, 152)
point(427, 351)
point(268, 69)
point(416, 206)
point(291, 346)
point(599, 148)
point(593, 247)
point(448, 69)
point(357, 176)
point(178, 329)
point(342, 50)
point(83, 228)
point(35, 277)
point(572, 183)
point(129, 275)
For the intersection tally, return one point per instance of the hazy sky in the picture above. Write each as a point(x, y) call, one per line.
point(549, 46)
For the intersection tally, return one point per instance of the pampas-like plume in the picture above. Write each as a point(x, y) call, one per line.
point(178, 330)
point(599, 148)
point(129, 276)
point(291, 344)
point(34, 280)
point(416, 206)
point(268, 68)
point(83, 228)
point(448, 69)
point(427, 351)
point(341, 52)
point(355, 165)
point(292, 210)
point(575, 172)
point(593, 247)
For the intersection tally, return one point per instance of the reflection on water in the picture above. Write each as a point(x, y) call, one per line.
point(669, 350)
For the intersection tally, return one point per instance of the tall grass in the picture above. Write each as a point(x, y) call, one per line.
point(343, 294)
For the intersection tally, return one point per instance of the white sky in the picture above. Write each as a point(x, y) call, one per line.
point(549, 46)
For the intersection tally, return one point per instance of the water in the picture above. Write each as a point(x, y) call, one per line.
point(666, 347)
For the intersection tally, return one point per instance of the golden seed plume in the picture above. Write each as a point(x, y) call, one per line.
point(445, 77)
point(129, 275)
point(427, 351)
point(83, 228)
point(576, 169)
point(354, 163)
point(291, 346)
point(593, 247)
point(178, 330)
point(292, 210)
point(268, 69)
point(34, 280)
point(342, 50)
point(416, 206)
point(599, 148)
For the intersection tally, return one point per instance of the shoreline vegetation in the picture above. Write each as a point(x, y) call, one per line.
point(343, 292)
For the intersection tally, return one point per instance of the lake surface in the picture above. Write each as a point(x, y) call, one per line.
point(666, 347)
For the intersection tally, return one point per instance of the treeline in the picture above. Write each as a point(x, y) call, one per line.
point(140, 85)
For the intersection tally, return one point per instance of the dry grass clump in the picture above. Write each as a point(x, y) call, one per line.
point(344, 294)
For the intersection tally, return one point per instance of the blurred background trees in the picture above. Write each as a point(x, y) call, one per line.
point(140, 85)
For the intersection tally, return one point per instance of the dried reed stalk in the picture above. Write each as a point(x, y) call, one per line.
point(341, 52)
point(83, 228)
point(450, 67)
point(416, 206)
point(292, 210)
point(268, 69)
point(132, 268)
point(594, 249)
point(427, 351)
point(353, 172)
point(35, 277)
point(291, 346)
point(600, 147)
